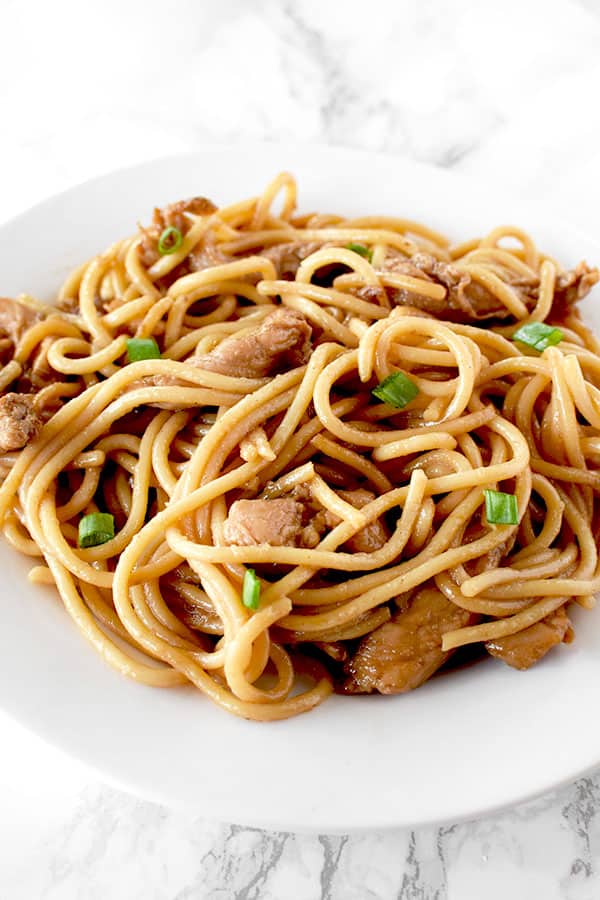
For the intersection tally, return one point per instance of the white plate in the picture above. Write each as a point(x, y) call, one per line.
point(464, 744)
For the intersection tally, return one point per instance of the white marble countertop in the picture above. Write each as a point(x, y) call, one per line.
point(508, 92)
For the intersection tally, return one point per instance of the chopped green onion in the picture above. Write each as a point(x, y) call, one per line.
point(170, 240)
point(251, 589)
point(361, 250)
point(500, 508)
point(96, 528)
point(142, 348)
point(538, 335)
point(397, 390)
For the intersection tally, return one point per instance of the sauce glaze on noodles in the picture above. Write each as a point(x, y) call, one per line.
point(167, 447)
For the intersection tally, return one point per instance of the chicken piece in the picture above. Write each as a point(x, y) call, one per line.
point(171, 216)
point(16, 318)
point(297, 521)
point(403, 653)
point(19, 422)
point(335, 650)
point(494, 557)
point(523, 649)
point(281, 342)
point(69, 305)
point(571, 287)
point(206, 255)
point(411, 303)
point(468, 301)
point(38, 373)
point(287, 257)
point(370, 538)
point(277, 522)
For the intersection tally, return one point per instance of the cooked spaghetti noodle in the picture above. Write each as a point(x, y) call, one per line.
point(275, 454)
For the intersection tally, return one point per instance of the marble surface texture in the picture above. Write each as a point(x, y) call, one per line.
point(506, 91)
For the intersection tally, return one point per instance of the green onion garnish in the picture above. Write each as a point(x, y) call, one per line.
point(397, 390)
point(361, 250)
point(500, 508)
point(97, 528)
point(251, 590)
point(142, 348)
point(170, 240)
point(538, 335)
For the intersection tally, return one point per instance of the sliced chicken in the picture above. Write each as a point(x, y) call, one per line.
point(468, 301)
point(281, 342)
point(277, 522)
point(16, 317)
point(171, 216)
point(287, 257)
point(524, 649)
point(403, 653)
point(572, 286)
point(19, 422)
point(369, 539)
point(206, 255)
point(296, 521)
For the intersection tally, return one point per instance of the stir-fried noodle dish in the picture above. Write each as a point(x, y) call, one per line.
point(277, 454)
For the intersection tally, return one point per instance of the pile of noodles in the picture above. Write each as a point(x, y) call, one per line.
point(162, 600)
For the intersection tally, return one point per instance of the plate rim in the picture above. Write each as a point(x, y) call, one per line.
point(258, 820)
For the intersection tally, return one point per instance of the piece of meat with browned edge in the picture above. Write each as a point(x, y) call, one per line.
point(206, 255)
point(296, 521)
point(572, 286)
point(281, 342)
point(369, 539)
point(277, 522)
point(403, 653)
point(523, 649)
point(466, 299)
point(19, 422)
point(374, 535)
point(173, 215)
point(287, 257)
point(16, 317)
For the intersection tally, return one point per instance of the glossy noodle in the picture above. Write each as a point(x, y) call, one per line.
point(275, 454)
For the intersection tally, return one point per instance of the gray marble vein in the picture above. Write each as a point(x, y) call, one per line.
point(549, 848)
